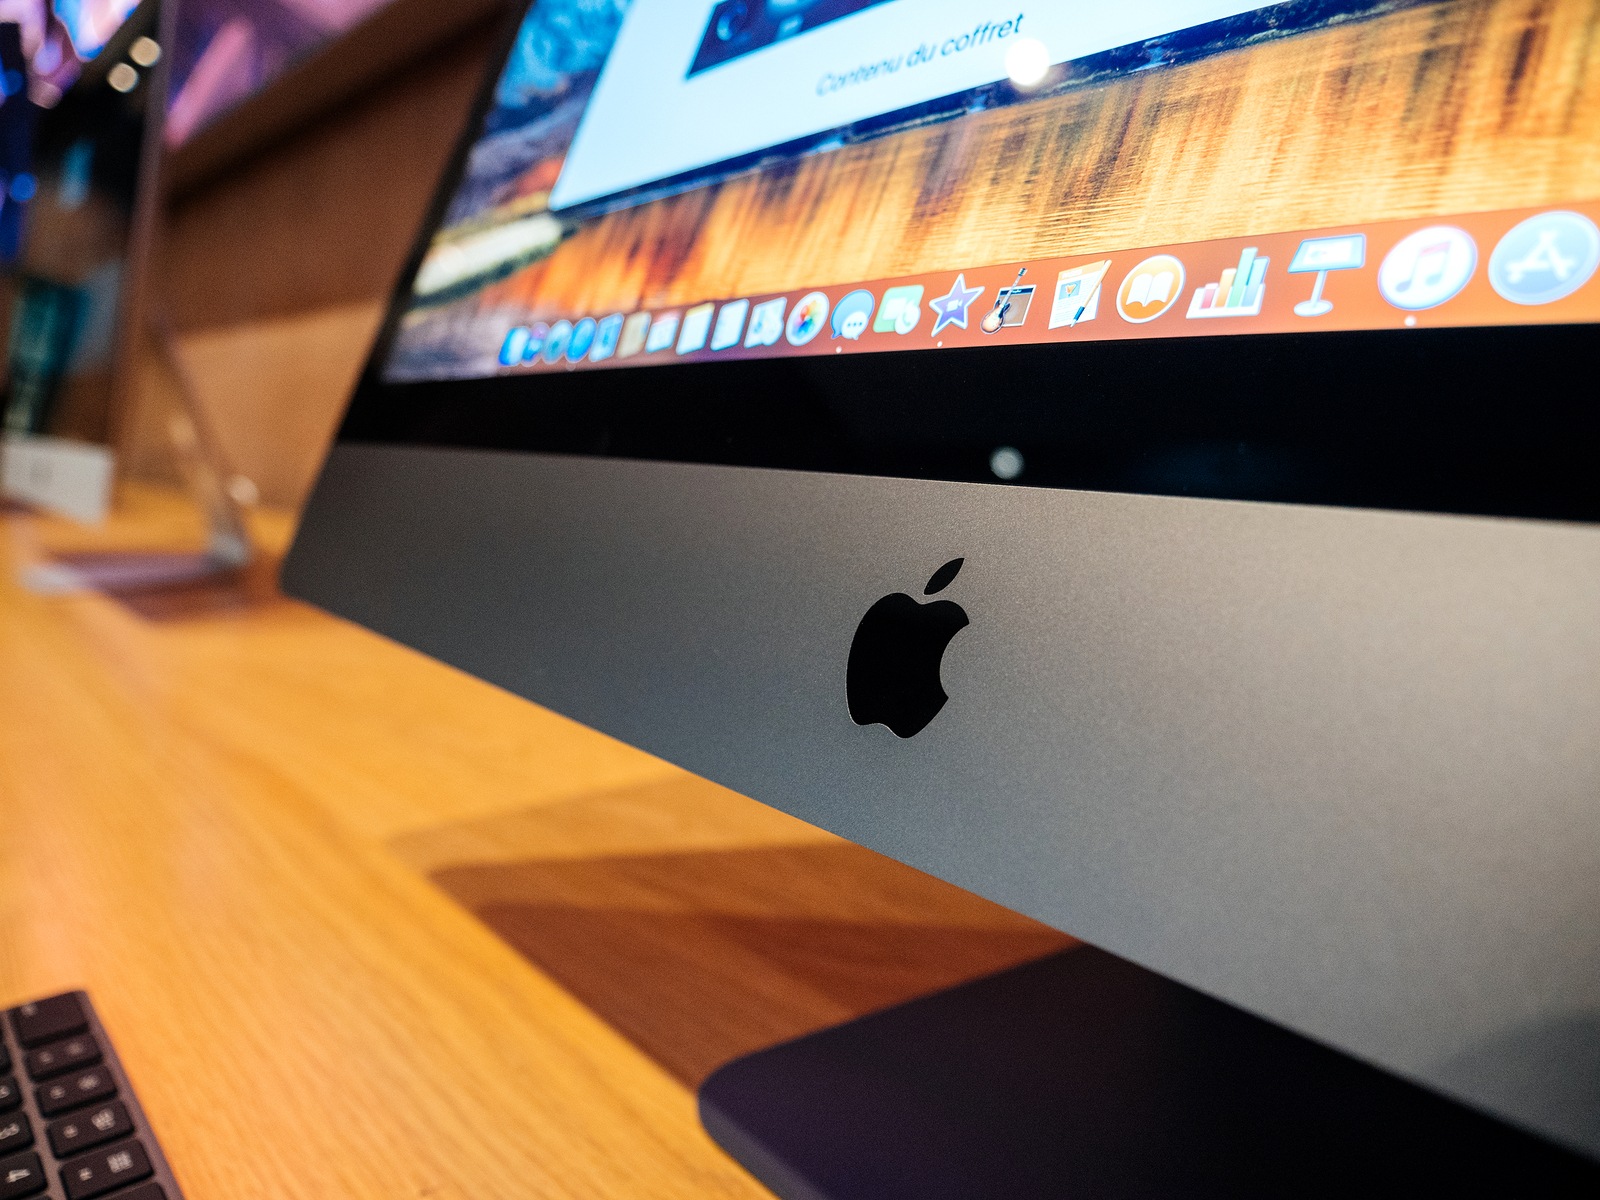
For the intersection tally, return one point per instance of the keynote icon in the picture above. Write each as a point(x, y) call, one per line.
point(766, 323)
point(1150, 289)
point(1545, 258)
point(807, 319)
point(900, 311)
point(1428, 267)
point(1345, 252)
point(852, 314)
point(951, 308)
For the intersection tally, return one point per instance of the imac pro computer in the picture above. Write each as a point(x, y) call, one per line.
point(1136, 462)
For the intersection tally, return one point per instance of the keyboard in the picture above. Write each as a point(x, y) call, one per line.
point(70, 1126)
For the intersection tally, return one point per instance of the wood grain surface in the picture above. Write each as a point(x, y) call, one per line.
point(1451, 107)
point(260, 836)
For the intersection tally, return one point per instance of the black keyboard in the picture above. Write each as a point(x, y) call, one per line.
point(70, 1127)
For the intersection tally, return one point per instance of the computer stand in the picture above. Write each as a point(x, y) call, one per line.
point(1083, 1075)
point(199, 460)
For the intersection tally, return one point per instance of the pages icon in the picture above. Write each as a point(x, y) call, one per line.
point(1077, 295)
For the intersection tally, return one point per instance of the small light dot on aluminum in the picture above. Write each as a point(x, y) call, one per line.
point(122, 77)
point(146, 52)
point(1006, 462)
point(1027, 62)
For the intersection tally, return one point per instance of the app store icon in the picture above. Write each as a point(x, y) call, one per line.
point(1545, 258)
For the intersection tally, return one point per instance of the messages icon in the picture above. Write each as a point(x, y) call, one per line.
point(852, 314)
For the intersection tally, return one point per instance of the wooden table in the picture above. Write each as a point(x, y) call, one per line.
point(363, 926)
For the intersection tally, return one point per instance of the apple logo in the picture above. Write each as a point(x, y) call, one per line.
point(893, 675)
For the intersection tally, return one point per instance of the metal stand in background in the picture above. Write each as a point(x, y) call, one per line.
point(202, 465)
point(200, 460)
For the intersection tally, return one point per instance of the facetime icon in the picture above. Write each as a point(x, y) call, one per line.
point(900, 311)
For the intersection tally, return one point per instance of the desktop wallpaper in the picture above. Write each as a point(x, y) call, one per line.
point(1305, 115)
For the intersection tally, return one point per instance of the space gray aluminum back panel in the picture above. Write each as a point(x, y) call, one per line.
point(1339, 767)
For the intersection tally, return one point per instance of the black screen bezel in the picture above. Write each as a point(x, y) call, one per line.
point(1471, 420)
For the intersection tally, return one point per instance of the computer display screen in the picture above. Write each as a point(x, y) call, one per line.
point(666, 182)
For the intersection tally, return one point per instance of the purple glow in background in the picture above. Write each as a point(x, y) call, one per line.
point(227, 50)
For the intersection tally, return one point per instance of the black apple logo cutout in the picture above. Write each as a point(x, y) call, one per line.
point(893, 674)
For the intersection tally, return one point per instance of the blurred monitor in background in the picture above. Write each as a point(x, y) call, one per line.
point(92, 23)
point(225, 51)
point(17, 181)
point(58, 39)
point(77, 171)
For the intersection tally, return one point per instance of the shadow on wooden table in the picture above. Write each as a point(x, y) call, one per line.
point(161, 586)
point(700, 957)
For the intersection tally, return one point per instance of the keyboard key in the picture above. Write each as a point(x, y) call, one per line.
point(21, 1175)
point(84, 1087)
point(47, 1020)
point(51, 1060)
point(10, 1094)
point(97, 1173)
point(5, 1059)
point(148, 1191)
point(85, 1130)
point(15, 1134)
